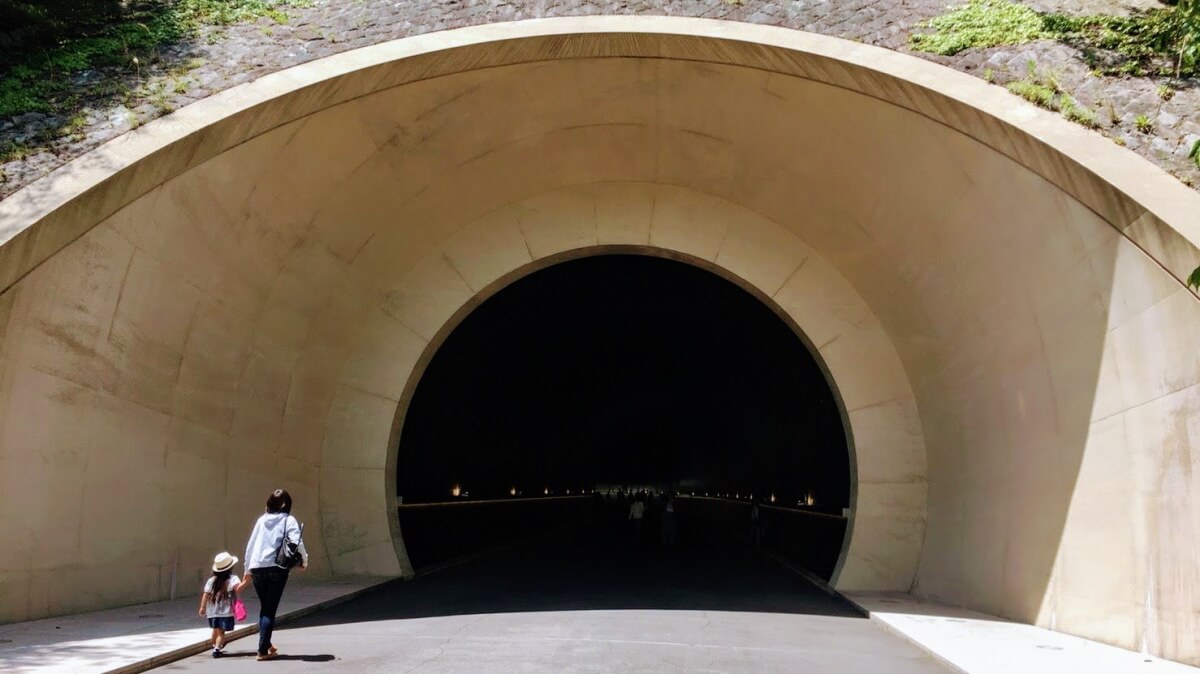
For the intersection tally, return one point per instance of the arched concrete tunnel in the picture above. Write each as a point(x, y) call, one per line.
point(245, 294)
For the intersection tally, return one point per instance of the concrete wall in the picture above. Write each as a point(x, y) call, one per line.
point(234, 298)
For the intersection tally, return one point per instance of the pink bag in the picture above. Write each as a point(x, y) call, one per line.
point(239, 610)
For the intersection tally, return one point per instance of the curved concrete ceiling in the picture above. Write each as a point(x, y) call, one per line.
point(217, 298)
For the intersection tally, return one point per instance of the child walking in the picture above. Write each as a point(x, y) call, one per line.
point(220, 592)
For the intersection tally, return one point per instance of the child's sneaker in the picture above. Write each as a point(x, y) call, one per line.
point(216, 652)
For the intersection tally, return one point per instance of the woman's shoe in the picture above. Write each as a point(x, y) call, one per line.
point(271, 655)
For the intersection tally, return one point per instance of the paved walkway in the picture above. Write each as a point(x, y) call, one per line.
point(120, 638)
point(223, 57)
point(580, 602)
point(589, 603)
point(977, 643)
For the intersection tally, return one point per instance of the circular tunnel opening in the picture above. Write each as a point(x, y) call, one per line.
point(603, 380)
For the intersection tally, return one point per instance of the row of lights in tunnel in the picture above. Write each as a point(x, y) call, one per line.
point(809, 500)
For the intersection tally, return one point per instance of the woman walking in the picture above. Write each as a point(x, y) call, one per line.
point(270, 532)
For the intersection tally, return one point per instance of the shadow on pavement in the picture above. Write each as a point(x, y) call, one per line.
point(324, 657)
point(596, 567)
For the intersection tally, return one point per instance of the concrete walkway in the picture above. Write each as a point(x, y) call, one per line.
point(582, 601)
point(136, 637)
point(977, 643)
point(588, 601)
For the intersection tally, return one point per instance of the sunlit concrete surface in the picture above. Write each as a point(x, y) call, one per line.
point(242, 294)
point(102, 641)
point(976, 643)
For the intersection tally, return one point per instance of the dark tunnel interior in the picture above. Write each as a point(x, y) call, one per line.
point(622, 373)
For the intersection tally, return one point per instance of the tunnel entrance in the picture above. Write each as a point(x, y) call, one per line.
point(565, 395)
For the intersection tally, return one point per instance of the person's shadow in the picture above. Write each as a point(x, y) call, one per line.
point(324, 657)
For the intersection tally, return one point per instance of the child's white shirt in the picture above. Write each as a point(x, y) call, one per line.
point(223, 608)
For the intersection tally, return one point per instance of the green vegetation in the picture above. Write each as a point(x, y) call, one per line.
point(1113, 117)
point(1165, 92)
point(157, 95)
point(979, 23)
point(1163, 41)
point(1043, 90)
point(74, 37)
point(1194, 155)
point(1078, 114)
point(14, 152)
point(75, 126)
point(1143, 124)
point(1037, 93)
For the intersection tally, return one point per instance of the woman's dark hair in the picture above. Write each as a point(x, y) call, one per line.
point(220, 581)
point(279, 502)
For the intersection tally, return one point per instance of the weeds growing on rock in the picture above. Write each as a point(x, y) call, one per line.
point(1036, 93)
point(1078, 114)
point(14, 152)
point(1044, 90)
point(157, 95)
point(75, 126)
point(1161, 41)
point(979, 23)
point(1143, 124)
point(1113, 118)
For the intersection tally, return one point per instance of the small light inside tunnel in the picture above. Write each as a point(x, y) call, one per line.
point(546, 491)
point(456, 491)
point(512, 491)
point(772, 498)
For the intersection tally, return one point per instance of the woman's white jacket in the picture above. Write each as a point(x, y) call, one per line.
point(265, 539)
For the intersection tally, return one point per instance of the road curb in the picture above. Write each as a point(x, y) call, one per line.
point(891, 629)
point(249, 630)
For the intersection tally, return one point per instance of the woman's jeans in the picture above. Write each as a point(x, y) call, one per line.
point(268, 583)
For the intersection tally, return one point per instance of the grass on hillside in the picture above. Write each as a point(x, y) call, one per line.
point(1164, 41)
point(45, 78)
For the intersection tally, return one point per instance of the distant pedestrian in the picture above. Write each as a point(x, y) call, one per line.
point(637, 511)
point(755, 524)
point(218, 597)
point(668, 522)
point(275, 534)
